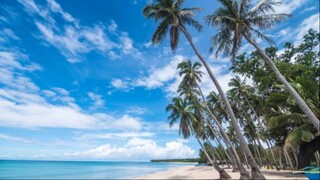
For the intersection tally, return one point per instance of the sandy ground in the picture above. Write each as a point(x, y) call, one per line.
point(205, 172)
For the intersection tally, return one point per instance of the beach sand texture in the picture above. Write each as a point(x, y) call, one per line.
point(206, 172)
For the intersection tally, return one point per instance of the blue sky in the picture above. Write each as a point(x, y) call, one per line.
point(80, 80)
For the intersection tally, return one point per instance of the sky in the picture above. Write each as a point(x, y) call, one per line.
point(80, 80)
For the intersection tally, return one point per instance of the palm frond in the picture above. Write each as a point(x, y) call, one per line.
point(160, 33)
point(192, 22)
point(174, 37)
point(263, 7)
point(267, 21)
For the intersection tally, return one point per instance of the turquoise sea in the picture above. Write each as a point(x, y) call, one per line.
point(23, 169)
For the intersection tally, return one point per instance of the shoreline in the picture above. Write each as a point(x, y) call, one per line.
point(208, 172)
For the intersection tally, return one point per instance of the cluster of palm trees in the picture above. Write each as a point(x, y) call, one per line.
point(203, 116)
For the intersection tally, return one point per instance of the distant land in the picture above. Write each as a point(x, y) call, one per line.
point(193, 160)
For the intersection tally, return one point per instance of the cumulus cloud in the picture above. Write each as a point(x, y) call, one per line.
point(288, 6)
point(137, 142)
point(116, 135)
point(74, 40)
point(136, 110)
point(158, 77)
point(119, 84)
point(97, 100)
point(296, 35)
point(19, 111)
point(23, 104)
point(127, 121)
point(167, 77)
point(311, 22)
point(141, 149)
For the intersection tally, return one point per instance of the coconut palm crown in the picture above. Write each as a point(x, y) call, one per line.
point(240, 18)
point(181, 111)
point(171, 16)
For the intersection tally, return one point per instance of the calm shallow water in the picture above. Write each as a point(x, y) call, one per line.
point(78, 169)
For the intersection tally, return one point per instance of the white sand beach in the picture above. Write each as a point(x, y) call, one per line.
point(206, 172)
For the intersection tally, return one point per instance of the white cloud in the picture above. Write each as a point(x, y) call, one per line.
point(289, 6)
point(55, 7)
point(14, 138)
point(137, 149)
point(136, 110)
point(119, 84)
point(73, 40)
point(97, 100)
point(308, 9)
point(49, 93)
point(158, 77)
point(116, 135)
point(31, 7)
point(127, 46)
point(168, 78)
point(68, 43)
point(137, 142)
point(98, 39)
point(6, 33)
point(127, 122)
point(46, 115)
point(296, 35)
point(13, 79)
point(22, 104)
point(305, 25)
point(148, 44)
point(61, 91)
point(207, 85)
point(19, 111)
point(112, 27)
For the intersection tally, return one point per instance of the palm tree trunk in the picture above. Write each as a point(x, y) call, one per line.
point(244, 173)
point(286, 155)
point(302, 104)
point(280, 159)
point(244, 156)
point(260, 124)
point(317, 155)
point(226, 155)
point(272, 154)
point(255, 147)
point(255, 171)
point(295, 154)
point(223, 174)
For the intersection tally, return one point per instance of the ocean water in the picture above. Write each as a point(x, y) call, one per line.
point(14, 169)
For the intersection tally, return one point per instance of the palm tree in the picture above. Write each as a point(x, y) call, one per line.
point(239, 18)
point(181, 110)
point(189, 87)
point(241, 91)
point(172, 16)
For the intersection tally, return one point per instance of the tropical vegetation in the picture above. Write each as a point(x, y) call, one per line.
point(272, 122)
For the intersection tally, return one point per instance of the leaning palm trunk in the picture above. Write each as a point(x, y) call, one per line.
point(243, 171)
point(255, 171)
point(257, 147)
point(260, 125)
point(280, 159)
point(226, 154)
point(215, 154)
point(295, 154)
point(317, 155)
point(223, 174)
point(225, 157)
point(288, 159)
point(302, 104)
